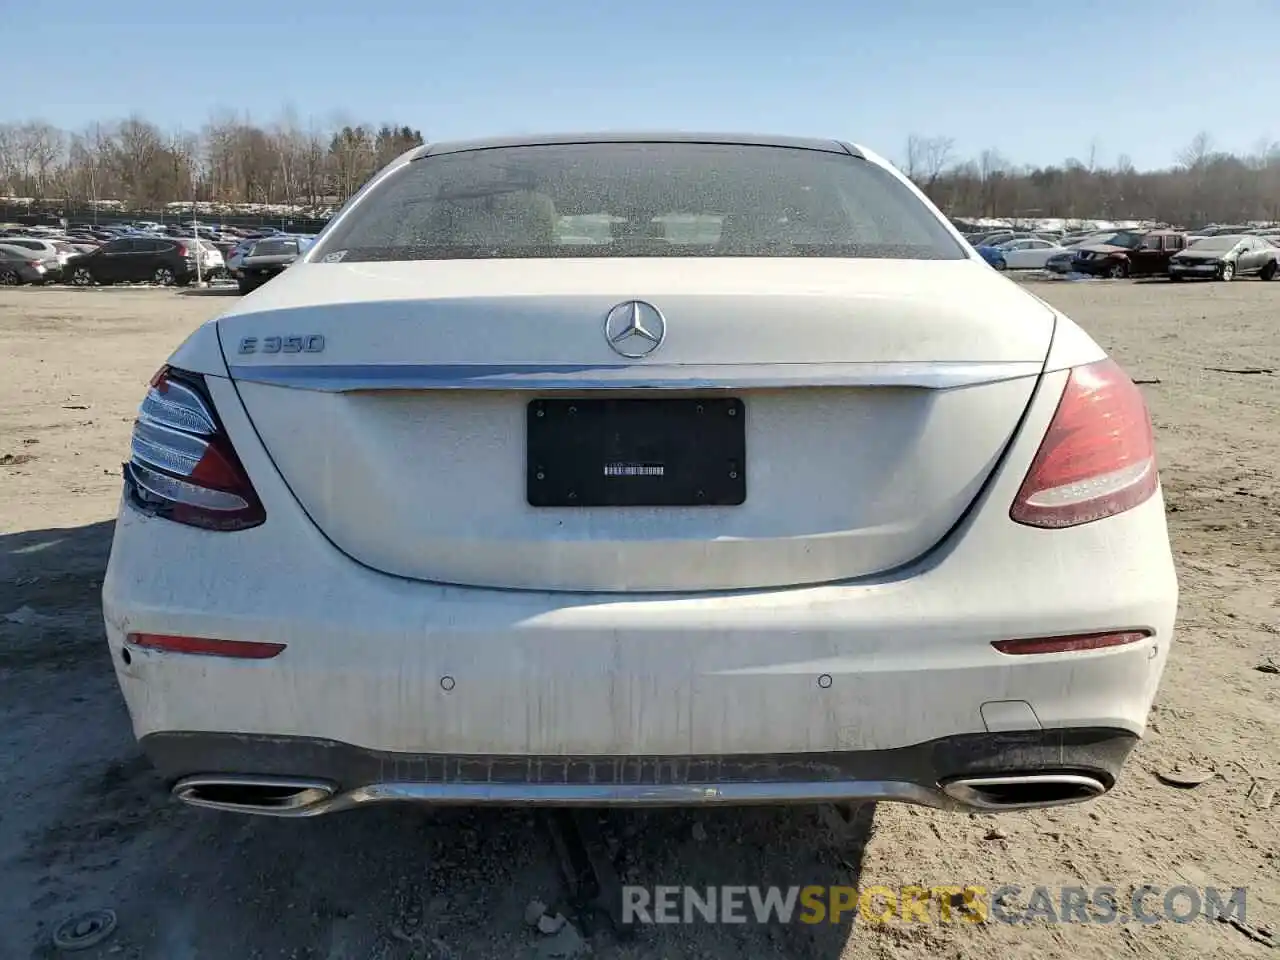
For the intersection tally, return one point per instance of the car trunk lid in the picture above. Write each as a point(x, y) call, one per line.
point(399, 401)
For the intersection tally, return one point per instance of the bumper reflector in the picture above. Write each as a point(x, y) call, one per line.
point(1070, 644)
point(206, 646)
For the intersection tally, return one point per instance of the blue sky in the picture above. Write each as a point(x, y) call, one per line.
point(1039, 80)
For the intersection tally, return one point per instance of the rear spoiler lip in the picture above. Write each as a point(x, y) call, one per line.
point(350, 378)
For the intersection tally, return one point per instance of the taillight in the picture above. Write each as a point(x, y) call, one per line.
point(183, 251)
point(182, 465)
point(1097, 458)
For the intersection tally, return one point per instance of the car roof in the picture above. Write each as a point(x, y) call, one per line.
point(741, 139)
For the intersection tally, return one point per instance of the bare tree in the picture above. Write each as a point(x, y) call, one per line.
point(914, 158)
point(927, 157)
point(43, 147)
point(10, 175)
point(137, 147)
point(1197, 153)
point(352, 150)
point(937, 155)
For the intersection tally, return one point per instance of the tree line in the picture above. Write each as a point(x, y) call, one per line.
point(229, 160)
point(1203, 184)
point(232, 159)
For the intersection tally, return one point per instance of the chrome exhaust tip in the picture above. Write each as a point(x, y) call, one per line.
point(1024, 791)
point(269, 796)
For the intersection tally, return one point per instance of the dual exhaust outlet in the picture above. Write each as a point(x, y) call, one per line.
point(290, 797)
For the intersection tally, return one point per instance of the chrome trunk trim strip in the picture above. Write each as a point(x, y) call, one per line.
point(348, 378)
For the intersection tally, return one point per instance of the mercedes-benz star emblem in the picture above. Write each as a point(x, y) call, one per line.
point(635, 329)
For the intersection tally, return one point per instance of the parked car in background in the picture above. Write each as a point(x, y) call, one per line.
point(1226, 257)
point(1219, 230)
point(212, 262)
point(994, 255)
point(162, 260)
point(19, 265)
point(1061, 262)
point(1129, 253)
point(269, 258)
point(1023, 253)
point(997, 237)
point(44, 249)
point(237, 254)
point(1029, 253)
point(83, 244)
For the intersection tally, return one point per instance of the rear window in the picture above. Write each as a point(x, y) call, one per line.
point(274, 248)
point(639, 200)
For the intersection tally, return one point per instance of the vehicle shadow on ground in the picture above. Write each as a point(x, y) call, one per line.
point(50, 594)
point(101, 831)
point(395, 881)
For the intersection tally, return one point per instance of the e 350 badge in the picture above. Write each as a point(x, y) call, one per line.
point(308, 343)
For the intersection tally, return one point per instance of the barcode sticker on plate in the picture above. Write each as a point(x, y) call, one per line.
point(634, 470)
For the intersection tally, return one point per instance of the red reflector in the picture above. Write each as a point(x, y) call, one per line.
point(1070, 644)
point(238, 649)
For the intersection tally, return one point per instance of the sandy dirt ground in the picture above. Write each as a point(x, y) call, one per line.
point(86, 825)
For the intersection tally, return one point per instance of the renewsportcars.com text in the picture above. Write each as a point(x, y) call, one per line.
point(1008, 903)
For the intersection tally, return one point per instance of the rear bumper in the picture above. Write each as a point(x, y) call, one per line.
point(401, 667)
point(346, 776)
point(395, 670)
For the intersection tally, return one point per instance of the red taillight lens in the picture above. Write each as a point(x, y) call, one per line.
point(1097, 458)
point(183, 251)
point(206, 646)
point(182, 465)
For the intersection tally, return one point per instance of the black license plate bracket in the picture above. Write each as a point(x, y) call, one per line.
point(667, 452)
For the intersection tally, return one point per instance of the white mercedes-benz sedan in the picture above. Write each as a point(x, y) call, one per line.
point(640, 469)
